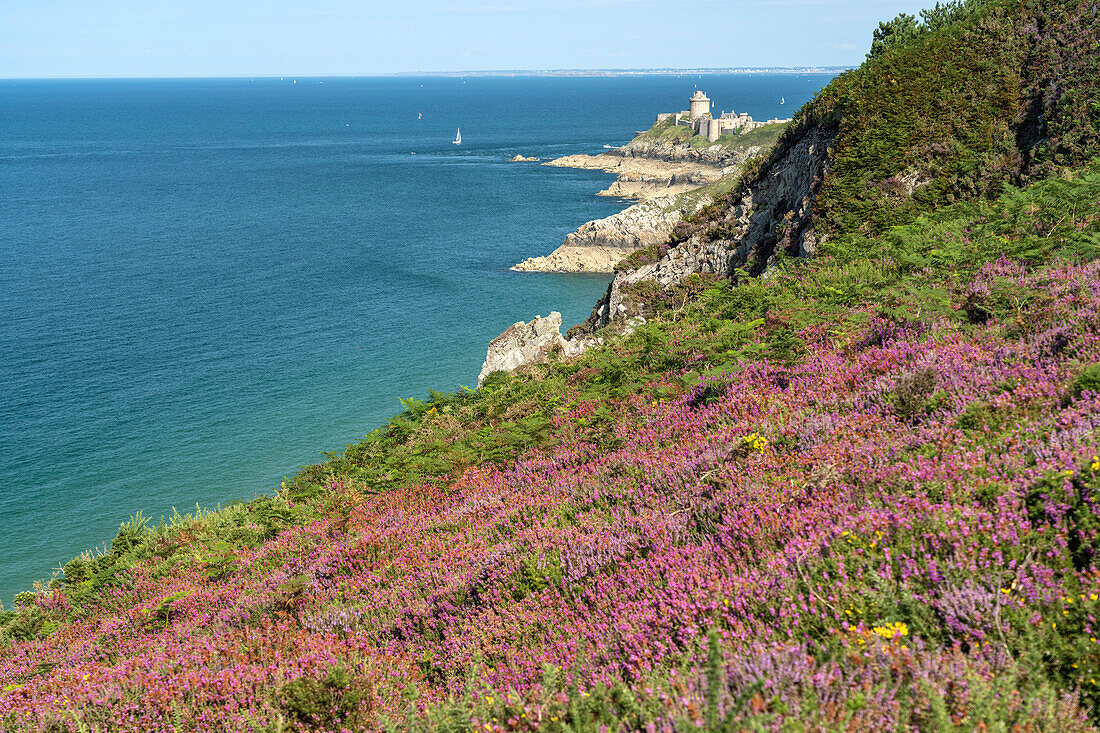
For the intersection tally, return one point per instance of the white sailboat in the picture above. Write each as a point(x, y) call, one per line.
point(782, 100)
point(458, 137)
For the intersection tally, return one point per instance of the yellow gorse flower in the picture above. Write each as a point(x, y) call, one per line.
point(890, 631)
point(756, 441)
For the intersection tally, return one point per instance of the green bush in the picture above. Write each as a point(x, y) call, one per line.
point(1087, 380)
point(325, 703)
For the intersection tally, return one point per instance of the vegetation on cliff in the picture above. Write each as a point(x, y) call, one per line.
point(666, 133)
point(857, 494)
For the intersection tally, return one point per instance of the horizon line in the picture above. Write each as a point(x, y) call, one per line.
point(590, 72)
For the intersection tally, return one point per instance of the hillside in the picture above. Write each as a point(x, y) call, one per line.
point(993, 93)
point(857, 493)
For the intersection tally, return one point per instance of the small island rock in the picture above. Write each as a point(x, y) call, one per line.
point(522, 344)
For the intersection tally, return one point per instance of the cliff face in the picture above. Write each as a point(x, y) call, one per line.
point(682, 151)
point(654, 172)
point(599, 245)
point(523, 344)
point(773, 211)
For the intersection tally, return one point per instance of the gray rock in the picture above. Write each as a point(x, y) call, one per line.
point(533, 342)
point(779, 199)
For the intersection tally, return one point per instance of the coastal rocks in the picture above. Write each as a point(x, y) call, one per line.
point(773, 214)
point(533, 342)
point(522, 159)
point(641, 179)
point(599, 245)
point(655, 173)
point(573, 258)
point(685, 152)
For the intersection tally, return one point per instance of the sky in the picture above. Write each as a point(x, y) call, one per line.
point(155, 38)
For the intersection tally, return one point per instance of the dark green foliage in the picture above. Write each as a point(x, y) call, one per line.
point(915, 394)
point(160, 615)
point(904, 30)
point(26, 623)
point(221, 561)
point(331, 701)
point(535, 575)
point(1065, 506)
point(715, 679)
point(1088, 380)
point(897, 32)
point(131, 536)
point(976, 416)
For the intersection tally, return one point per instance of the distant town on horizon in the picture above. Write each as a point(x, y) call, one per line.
point(633, 72)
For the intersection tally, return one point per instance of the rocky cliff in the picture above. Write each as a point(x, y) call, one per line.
point(641, 178)
point(533, 342)
point(772, 212)
point(597, 246)
point(655, 172)
point(988, 94)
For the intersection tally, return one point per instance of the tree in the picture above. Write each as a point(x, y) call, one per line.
point(897, 32)
point(943, 14)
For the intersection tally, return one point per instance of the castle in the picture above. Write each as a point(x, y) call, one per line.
point(699, 118)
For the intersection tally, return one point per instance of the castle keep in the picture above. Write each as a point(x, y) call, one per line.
point(698, 116)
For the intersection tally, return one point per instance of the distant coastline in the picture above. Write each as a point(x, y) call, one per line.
point(502, 73)
point(630, 72)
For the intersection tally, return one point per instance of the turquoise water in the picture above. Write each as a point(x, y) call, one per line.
point(206, 283)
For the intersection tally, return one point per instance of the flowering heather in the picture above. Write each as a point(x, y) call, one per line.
point(858, 512)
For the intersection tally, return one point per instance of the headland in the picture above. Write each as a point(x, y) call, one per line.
point(672, 170)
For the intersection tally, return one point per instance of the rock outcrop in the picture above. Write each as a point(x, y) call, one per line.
point(771, 213)
point(523, 159)
point(684, 152)
point(599, 245)
point(533, 342)
point(653, 173)
point(641, 179)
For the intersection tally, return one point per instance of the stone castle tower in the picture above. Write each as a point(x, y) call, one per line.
point(699, 105)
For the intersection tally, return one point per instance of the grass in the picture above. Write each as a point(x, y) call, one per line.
point(861, 295)
point(667, 133)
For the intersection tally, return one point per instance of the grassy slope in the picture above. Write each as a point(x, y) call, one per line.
point(868, 478)
point(666, 133)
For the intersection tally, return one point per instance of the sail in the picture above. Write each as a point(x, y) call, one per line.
point(458, 137)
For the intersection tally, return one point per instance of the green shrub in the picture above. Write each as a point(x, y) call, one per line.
point(325, 703)
point(1087, 380)
point(160, 615)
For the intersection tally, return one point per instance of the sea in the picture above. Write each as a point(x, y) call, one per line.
point(205, 284)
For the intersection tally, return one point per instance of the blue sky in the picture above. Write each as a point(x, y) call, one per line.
point(97, 38)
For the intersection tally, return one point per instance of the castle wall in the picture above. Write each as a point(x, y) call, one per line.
point(698, 108)
point(702, 123)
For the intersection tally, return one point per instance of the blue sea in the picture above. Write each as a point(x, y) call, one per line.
point(205, 283)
